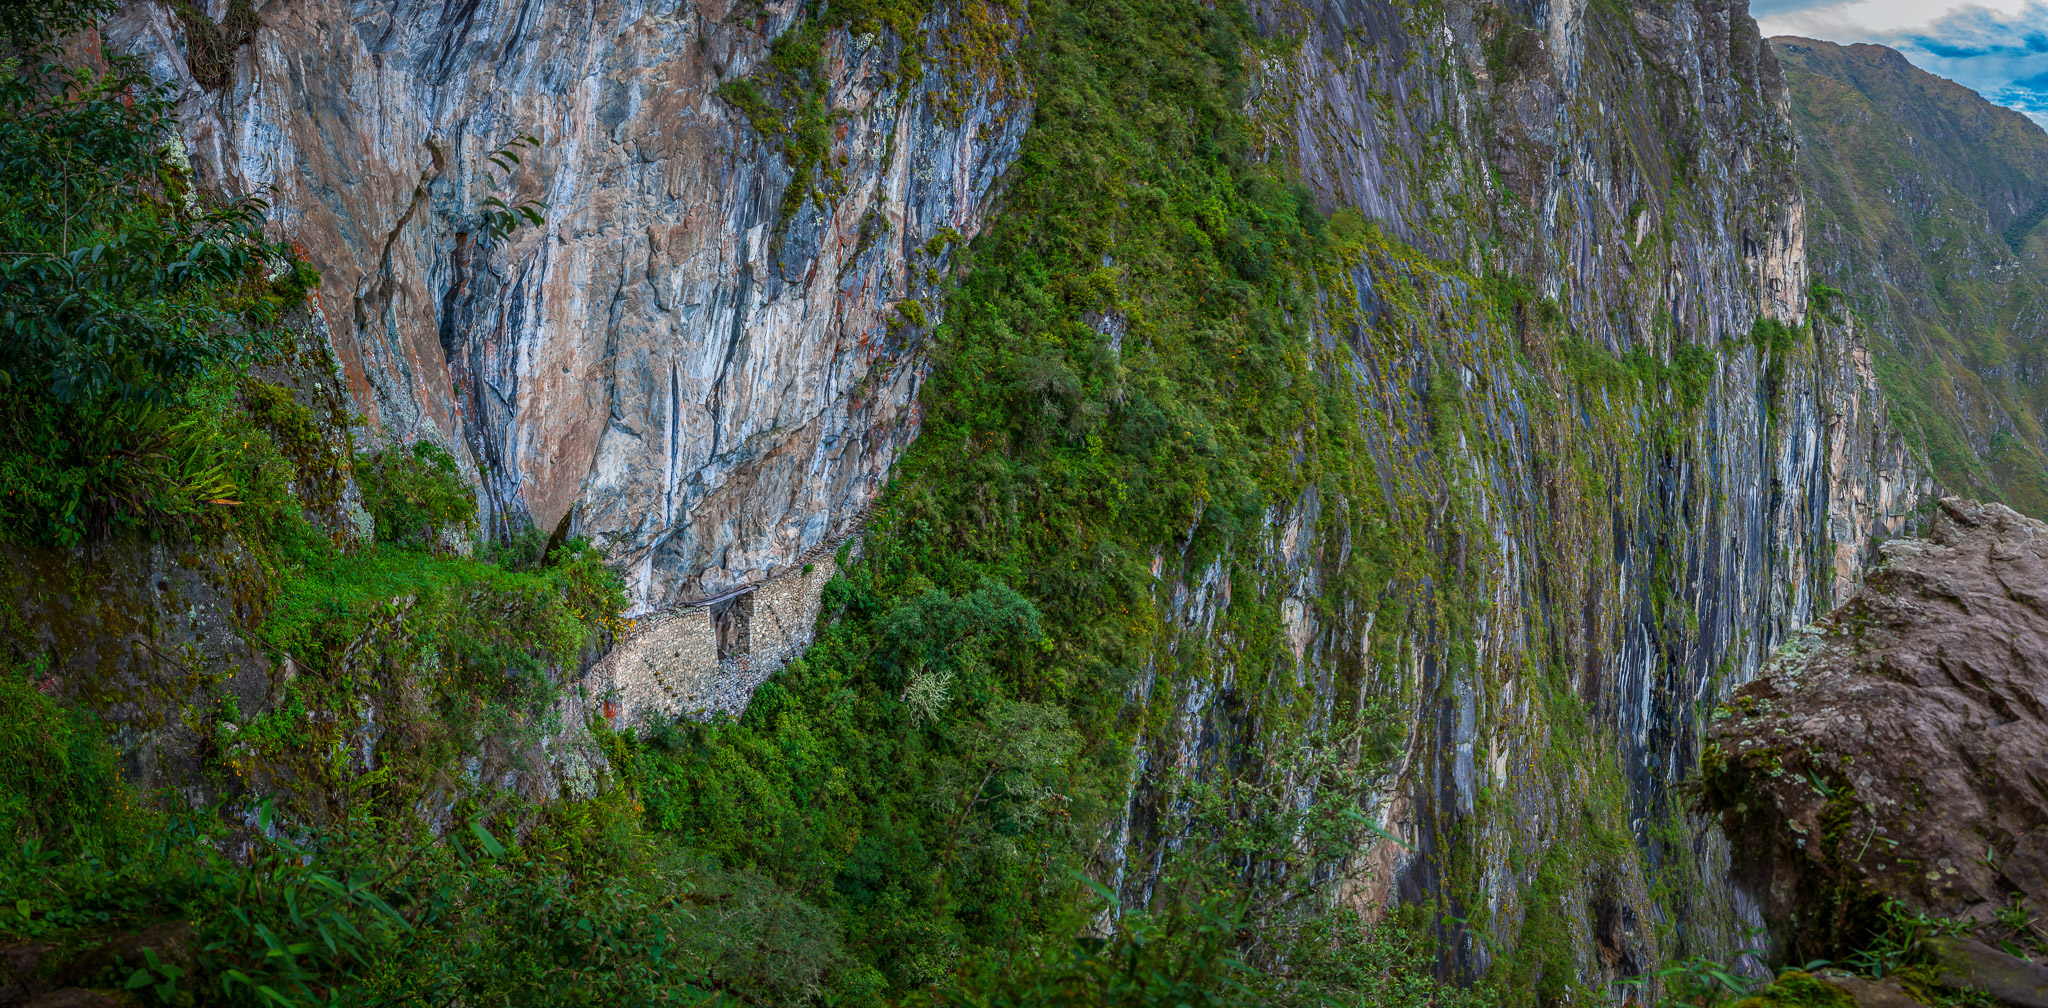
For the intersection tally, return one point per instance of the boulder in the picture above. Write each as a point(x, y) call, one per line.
point(172, 943)
point(21, 969)
point(2010, 980)
point(1800, 989)
point(80, 997)
point(1898, 748)
point(1867, 993)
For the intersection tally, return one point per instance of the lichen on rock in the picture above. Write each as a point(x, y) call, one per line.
point(1895, 752)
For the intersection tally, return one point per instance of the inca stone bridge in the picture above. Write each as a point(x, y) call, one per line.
point(708, 655)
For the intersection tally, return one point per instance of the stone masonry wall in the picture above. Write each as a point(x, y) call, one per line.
point(672, 665)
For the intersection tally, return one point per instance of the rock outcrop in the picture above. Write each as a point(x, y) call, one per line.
point(1897, 749)
point(715, 368)
point(1608, 458)
point(1643, 189)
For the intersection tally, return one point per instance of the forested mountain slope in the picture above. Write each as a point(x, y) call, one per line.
point(1926, 206)
point(1278, 484)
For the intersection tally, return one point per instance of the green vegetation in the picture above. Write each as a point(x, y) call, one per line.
point(1186, 960)
point(785, 103)
point(932, 770)
point(1894, 950)
point(124, 297)
point(417, 809)
point(416, 493)
point(898, 815)
point(152, 388)
point(355, 917)
point(2022, 227)
point(59, 792)
point(1948, 282)
point(944, 759)
point(210, 46)
point(787, 100)
point(24, 24)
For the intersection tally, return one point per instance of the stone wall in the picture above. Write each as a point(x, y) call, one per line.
point(708, 657)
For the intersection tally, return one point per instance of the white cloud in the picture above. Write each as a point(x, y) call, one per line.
point(1873, 20)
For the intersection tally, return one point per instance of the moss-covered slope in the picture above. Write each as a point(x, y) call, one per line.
point(1926, 206)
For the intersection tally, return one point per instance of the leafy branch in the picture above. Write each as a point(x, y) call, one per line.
point(499, 217)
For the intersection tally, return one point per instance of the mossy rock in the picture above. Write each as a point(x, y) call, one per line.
point(1798, 989)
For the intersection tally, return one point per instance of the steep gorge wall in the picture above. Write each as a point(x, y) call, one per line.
point(1590, 497)
point(1612, 505)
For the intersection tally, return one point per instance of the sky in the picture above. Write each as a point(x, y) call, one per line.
point(1999, 48)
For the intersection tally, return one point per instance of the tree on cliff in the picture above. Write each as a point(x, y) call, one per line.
point(121, 291)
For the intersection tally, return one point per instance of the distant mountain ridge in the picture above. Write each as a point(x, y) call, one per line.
point(1926, 206)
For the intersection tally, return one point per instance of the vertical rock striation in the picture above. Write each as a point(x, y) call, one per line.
point(1635, 459)
point(707, 363)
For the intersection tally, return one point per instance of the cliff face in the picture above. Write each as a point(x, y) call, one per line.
point(1605, 544)
point(696, 354)
point(1605, 153)
point(1927, 205)
point(1569, 454)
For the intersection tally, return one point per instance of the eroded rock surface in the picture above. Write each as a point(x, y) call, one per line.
point(709, 365)
point(1899, 747)
point(720, 399)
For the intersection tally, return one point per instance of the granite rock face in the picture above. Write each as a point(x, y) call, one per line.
point(1896, 749)
point(710, 377)
point(1634, 166)
point(1613, 562)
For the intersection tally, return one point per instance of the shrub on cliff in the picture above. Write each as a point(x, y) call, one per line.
point(1122, 363)
point(124, 298)
point(356, 892)
point(415, 493)
point(363, 915)
point(57, 789)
